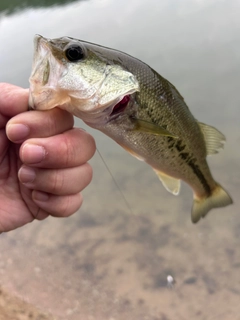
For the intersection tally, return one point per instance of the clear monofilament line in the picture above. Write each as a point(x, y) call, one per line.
point(115, 182)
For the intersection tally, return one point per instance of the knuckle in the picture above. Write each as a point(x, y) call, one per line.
point(71, 204)
point(87, 143)
point(70, 153)
point(67, 152)
point(76, 148)
point(57, 121)
point(57, 183)
point(65, 207)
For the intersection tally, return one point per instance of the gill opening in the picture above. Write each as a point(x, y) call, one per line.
point(115, 182)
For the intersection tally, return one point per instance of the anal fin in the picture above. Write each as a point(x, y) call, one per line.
point(171, 184)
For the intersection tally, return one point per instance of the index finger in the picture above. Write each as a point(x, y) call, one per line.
point(13, 99)
point(69, 149)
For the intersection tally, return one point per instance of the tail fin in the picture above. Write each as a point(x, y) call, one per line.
point(201, 206)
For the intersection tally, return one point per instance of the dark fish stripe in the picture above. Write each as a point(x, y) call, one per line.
point(184, 155)
point(180, 147)
point(195, 168)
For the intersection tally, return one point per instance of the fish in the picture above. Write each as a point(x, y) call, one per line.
point(134, 105)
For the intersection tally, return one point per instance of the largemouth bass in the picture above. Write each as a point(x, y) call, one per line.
point(130, 102)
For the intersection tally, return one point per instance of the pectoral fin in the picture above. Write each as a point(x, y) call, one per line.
point(149, 127)
point(214, 139)
point(171, 184)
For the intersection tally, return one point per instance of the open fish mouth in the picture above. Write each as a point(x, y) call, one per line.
point(89, 87)
point(105, 114)
point(120, 107)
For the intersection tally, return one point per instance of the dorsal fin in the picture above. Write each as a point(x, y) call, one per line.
point(214, 139)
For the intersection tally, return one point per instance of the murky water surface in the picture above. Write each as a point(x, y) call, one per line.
point(105, 262)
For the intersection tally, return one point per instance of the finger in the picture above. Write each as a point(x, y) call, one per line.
point(57, 206)
point(59, 182)
point(3, 145)
point(70, 149)
point(13, 99)
point(38, 124)
point(40, 214)
point(3, 121)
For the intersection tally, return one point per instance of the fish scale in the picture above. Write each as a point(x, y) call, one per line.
point(130, 102)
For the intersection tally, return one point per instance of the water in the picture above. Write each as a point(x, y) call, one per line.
point(106, 263)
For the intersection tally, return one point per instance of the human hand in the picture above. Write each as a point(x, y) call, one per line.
point(43, 161)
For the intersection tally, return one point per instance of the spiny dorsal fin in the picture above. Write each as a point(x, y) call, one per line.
point(214, 139)
point(171, 184)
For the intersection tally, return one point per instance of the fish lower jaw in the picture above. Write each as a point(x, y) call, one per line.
point(47, 98)
point(94, 119)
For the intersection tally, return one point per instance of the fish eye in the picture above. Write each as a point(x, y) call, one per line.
point(74, 53)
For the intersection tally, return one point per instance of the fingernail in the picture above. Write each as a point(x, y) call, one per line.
point(40, 196)
point(32, 153)
point(17, 132)
point(26, 174)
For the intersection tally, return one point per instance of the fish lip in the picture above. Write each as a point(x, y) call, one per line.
point(99, 106)
point(42, 93)
point(41, 54)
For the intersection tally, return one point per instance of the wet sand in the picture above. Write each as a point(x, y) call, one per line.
point(14, 308)
point(108, 263)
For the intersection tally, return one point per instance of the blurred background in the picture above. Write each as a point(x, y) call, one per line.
point(106, 262)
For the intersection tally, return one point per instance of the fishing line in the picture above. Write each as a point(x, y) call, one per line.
point(115, 182)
